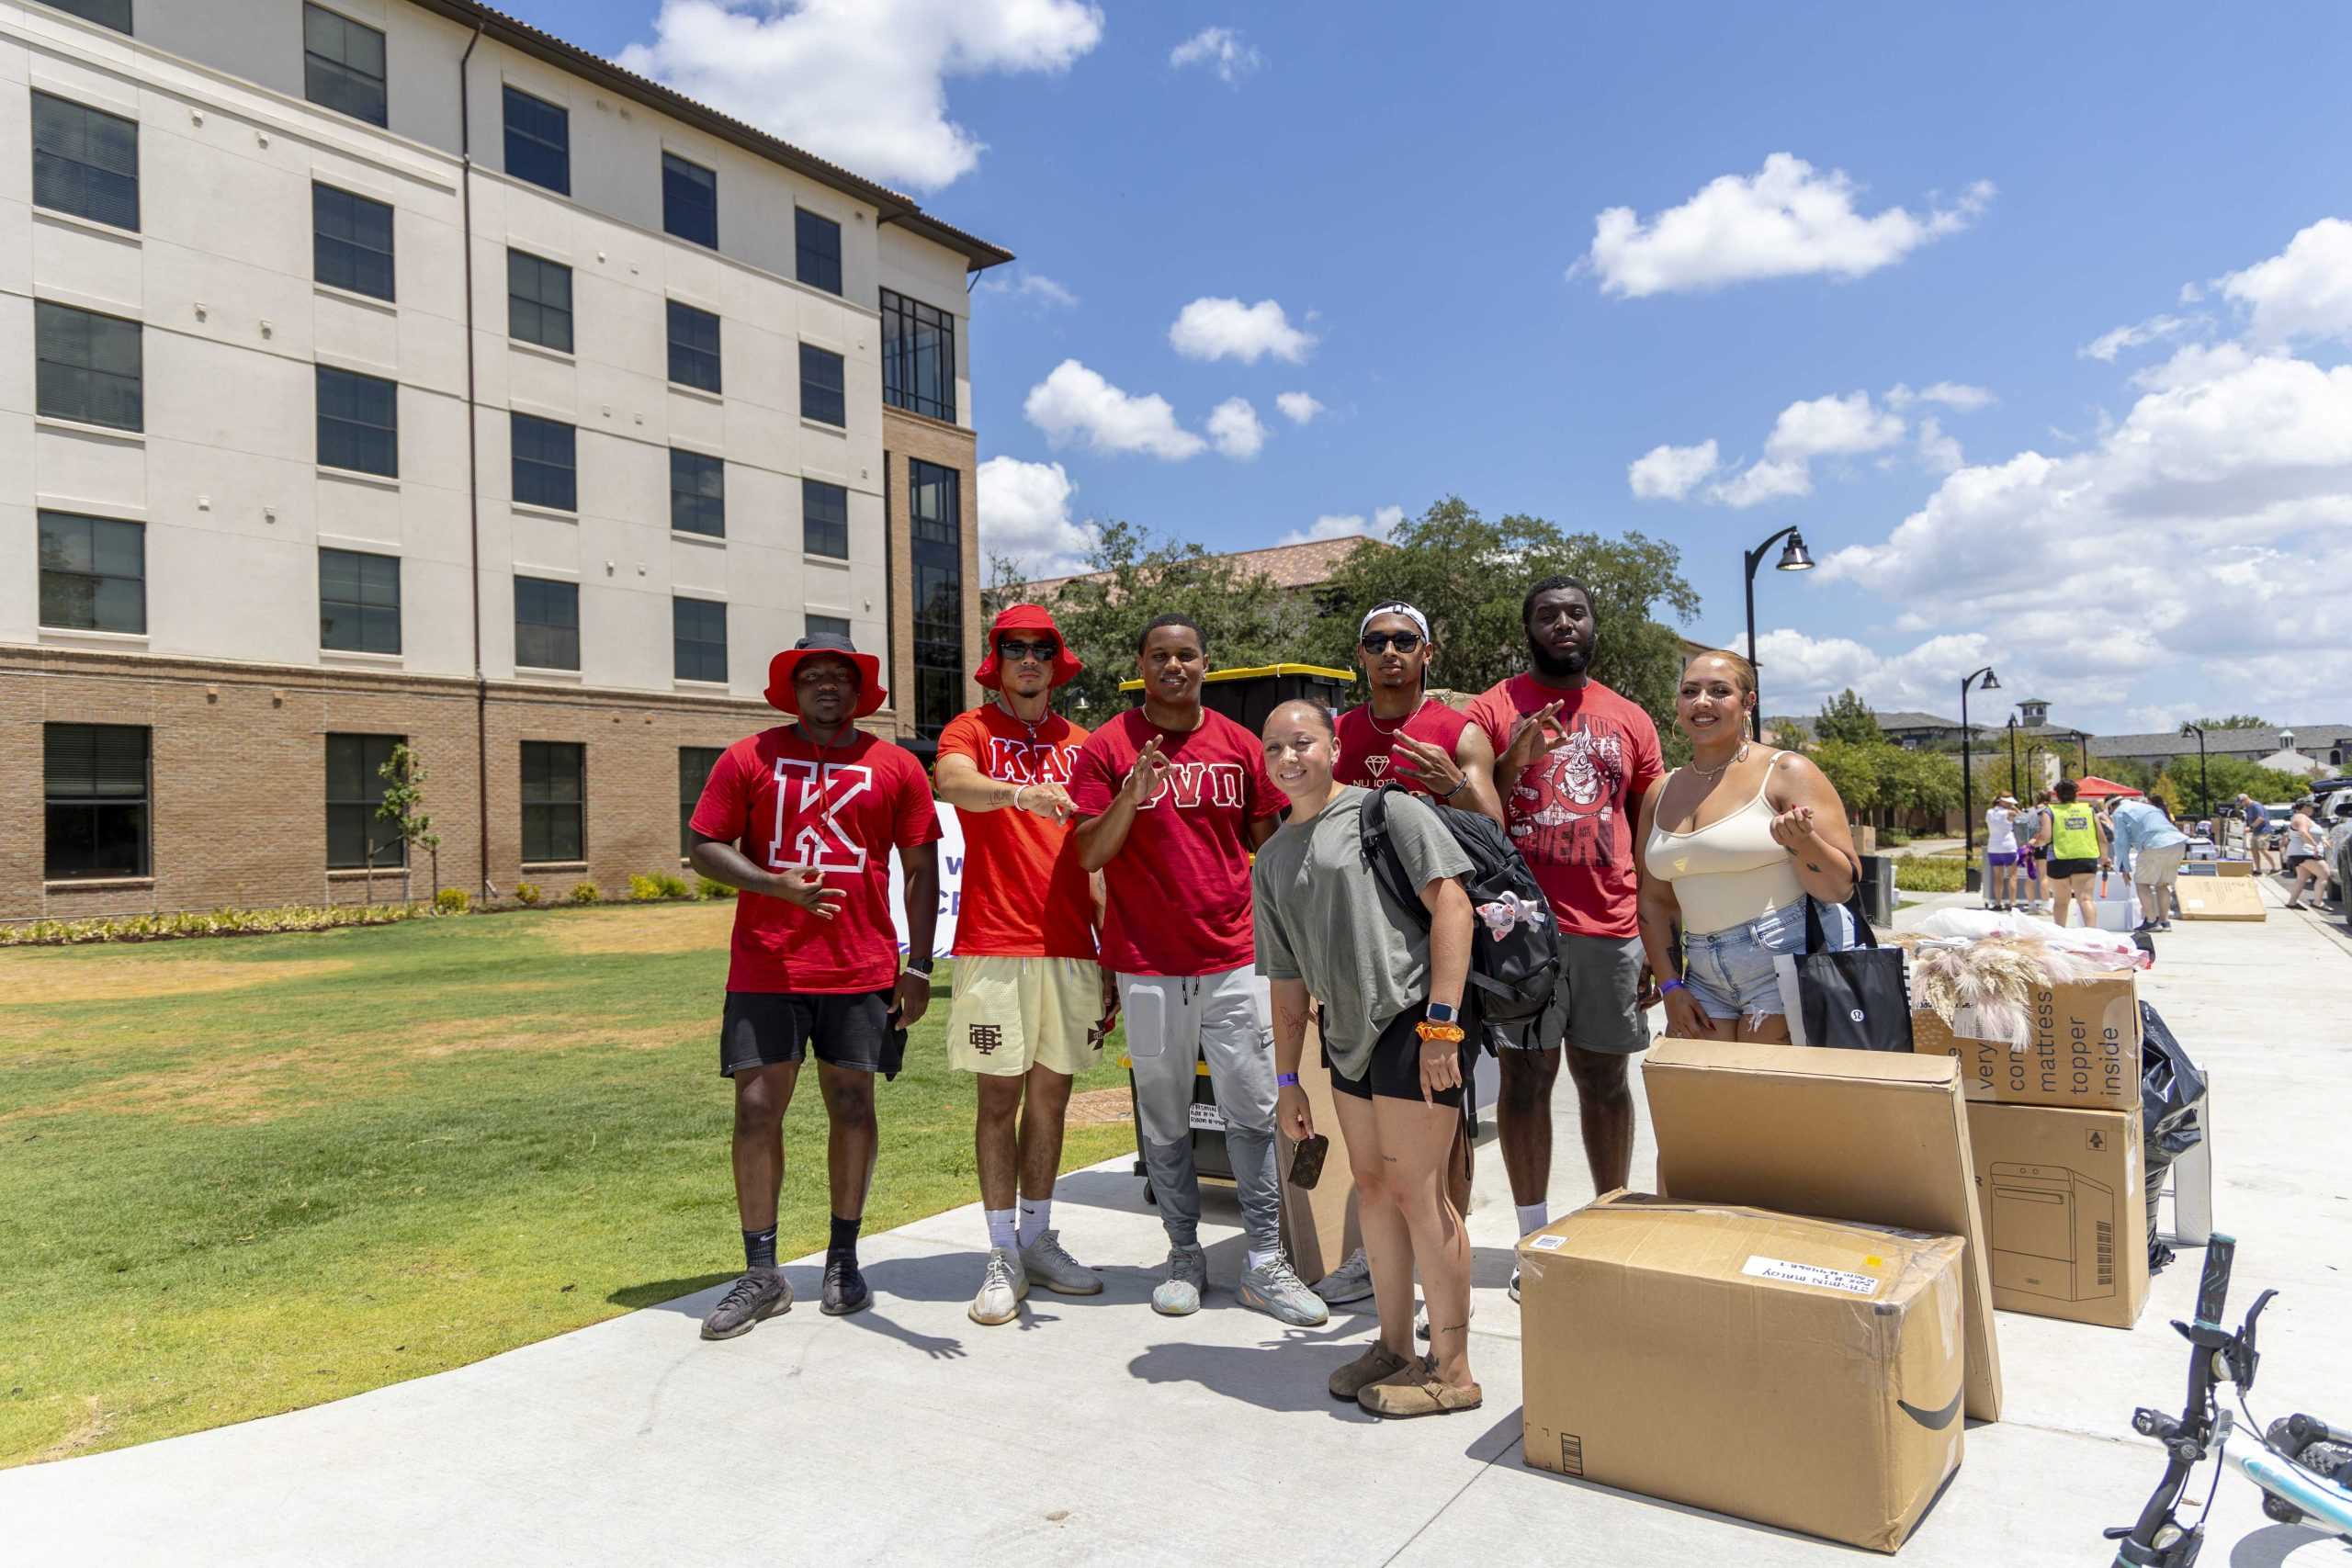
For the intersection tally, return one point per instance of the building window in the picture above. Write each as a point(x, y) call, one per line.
point(819, 241)
point(693, 347)
point(356, 836)
point(695, 763)
point(697, 493)
point(342, 66)
point(538, 141)
point(546, 463)
point(546, 624)
point(359, 602)
point(538, 301)
point(821, 387)
point(115, 14)
point(93, 573)
point(826, 626)
point(824, 519)
point(351, 241)
point(698, 636)
point(917, 358)
point(96, 795)
point(359, 423)
point(85, 161)
point(555, 796)
point(935, 504)
point(689, 201)
point(87, 368)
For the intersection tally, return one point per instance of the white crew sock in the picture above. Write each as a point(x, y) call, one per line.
point(1533, 1217)
point(1000, 1232)
point(1260, 1259)
point(1036, 1218)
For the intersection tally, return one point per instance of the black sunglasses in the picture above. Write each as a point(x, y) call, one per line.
point(1403, 642)
point(1043, 653)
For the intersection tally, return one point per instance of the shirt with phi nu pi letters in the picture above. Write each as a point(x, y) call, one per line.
point(1026, 895)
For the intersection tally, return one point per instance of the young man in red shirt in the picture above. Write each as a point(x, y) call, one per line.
point(1030, 1002)
point(1173, 798)
point(1572, 761)
point(801, 820)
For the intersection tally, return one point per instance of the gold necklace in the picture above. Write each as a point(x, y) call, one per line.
point(1719, 772)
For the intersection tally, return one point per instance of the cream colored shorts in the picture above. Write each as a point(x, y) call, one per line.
point(1010, 1014)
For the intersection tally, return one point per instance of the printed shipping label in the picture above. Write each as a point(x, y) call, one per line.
point(1809, 1274)
point(1207, 1118)
point(1548, 1243)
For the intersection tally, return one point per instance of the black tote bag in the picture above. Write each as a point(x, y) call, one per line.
point(1853, 999)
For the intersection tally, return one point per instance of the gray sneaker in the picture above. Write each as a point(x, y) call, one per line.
point(1049, 1264)
point(1188, 1277)
point(1278, 1291)
point(760, 1293)
point(1351, 1282)
point(1002, 1286)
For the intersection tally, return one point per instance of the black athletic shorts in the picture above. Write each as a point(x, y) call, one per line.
point(1395, 1071)
point(2060, 870)
point(767, 1029)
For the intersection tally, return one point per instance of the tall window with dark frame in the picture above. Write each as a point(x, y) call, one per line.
point(818, 240)
point(115, 14)
point(85, 161)
point(693, 347)
point(538, 301)
point(935, 504)
point(917, 358)
point(546, 462)
point(359, 602)
point(697, 493)
point(824, 519)
point(87, 368)
point(343, 64)
point(351, 241)
point(95, 794)
point(695, 763)
point(555, 802)
point(546, 624)
point(538, 141)
point(689, 201)
point(93, 573)
point(821, 387)
point(698, 640)
point(356, 836)
point(359, 423)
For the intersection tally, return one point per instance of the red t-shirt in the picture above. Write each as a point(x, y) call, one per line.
point(783, 803)
point(1177, 894)
point(1024, 894)
point(1572, 813)
point(1365, 746)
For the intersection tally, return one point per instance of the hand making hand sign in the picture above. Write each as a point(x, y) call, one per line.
point(1534, 735)
point(1430, 766)
point(805, 886)
point(1143, 785)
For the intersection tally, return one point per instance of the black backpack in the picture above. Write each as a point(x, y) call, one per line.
point(1515, 940)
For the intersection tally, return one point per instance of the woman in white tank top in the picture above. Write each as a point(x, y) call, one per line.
point(1733, 844)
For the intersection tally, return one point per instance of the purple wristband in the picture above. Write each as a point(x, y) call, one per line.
point(1666, 986)
point(1285, 1080)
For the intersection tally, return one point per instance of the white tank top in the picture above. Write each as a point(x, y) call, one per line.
point(1728, 874)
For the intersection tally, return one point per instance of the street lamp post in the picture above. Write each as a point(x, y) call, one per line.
point(2204, 789)
point(2013, 753)
point(1792, 558)
point(1967, 778)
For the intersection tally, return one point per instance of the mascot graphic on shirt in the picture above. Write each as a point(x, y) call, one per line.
point(1571, 818)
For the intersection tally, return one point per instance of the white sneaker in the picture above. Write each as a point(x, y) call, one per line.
point(1002, 1288)
point(1351, 1282)
point(1188, 1277)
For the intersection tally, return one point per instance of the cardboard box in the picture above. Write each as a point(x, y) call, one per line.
point(2233, 867)
point(2066, 1205)
point(1793, 1371)
point(2222, 899)
point(2085, 1051)
point(1877, 1137)
point(1319, 1222)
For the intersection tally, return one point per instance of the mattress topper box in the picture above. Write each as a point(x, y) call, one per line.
point(1822, 1362)
point(1876, 1137)
point(2084, 1051)
point(2064, 1199)
point(2222, 899)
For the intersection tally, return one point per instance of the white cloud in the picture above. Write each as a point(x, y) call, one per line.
point(1236, 428)
point(1074, 403)
point(2305, 291)
point(1025, 515)
point(1226, 329)
point(2191, 295)
point(1762, 481)
point(1832, 426)
point(1785, 220)
point(2108, 344)
point(1670, 473)
point(1222, 49)
point(1939, 451)
point(1033, 287)
point(1347, 525)
point(860, 82)
point(1299, 408)
point(2191, 364)
point(1799, 672)
point(1957, 395)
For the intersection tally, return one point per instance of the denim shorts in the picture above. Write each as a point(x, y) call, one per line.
point(1731, 973)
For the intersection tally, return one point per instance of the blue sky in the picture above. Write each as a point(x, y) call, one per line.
point(1870, 253)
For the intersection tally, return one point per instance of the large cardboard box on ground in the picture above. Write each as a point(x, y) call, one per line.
point(2233, 867)
point(1794, 1371)
point(2065, 1207)
point(2222, 899)
point(1880, 1137)
point(2085, 1051)
point(1318, 1222)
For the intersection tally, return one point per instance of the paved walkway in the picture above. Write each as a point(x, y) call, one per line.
point(1095, 1432)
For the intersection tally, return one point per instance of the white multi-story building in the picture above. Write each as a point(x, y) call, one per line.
point(390, 370)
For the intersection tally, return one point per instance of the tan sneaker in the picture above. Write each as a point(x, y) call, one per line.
point(1375, 1365)
point(1423, 1396)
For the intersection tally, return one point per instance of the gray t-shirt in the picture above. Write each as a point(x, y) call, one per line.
point(1322, 917)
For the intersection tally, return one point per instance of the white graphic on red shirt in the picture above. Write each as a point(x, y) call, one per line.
point(1225, 783)
point(1029, 761)
point(1375, 764)
point(816, 791)
point(1558, 823)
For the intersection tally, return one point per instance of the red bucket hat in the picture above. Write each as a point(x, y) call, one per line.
point(1025, 618)
point(781, 669)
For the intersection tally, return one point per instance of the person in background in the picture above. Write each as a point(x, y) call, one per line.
point(2150, 850)
point(2028, 822)
point(2000, 852)
point(2306, 855)
point(2074, 838)
point(2257, 832)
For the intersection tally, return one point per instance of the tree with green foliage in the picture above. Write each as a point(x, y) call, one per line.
point(2203, 792)
point(1788, 736)
point(1922, 782)
point(2235, 721)
point(404, 806)
point(1849, 718)
point(1854, 772)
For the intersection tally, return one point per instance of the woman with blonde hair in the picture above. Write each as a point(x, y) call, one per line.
point(1736, 844)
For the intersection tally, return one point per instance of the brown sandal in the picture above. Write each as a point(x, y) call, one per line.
point(1423, 1396)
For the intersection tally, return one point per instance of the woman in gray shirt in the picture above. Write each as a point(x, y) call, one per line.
point(1389, 981)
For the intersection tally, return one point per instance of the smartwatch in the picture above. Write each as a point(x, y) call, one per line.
point(921, 966)
point(1439, 1013)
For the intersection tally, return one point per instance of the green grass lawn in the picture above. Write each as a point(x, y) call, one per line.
point(239, 1177)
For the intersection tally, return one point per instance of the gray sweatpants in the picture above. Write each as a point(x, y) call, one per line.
point(1173, 1023)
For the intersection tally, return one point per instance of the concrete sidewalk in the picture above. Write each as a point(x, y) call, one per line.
point(1097, 1432)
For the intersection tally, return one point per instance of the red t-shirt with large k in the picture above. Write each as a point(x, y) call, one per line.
point(1572, 813)
point(1026, 895)
point(841, 810)
point(1367, 746)
point(1177, 894)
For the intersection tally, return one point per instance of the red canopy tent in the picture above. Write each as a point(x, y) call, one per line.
point(2093, 788)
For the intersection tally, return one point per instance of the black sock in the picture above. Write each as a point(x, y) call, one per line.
point(759, 1248)
point(844, 1241)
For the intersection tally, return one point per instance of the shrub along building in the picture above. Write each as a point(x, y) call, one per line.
point(393, 371)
